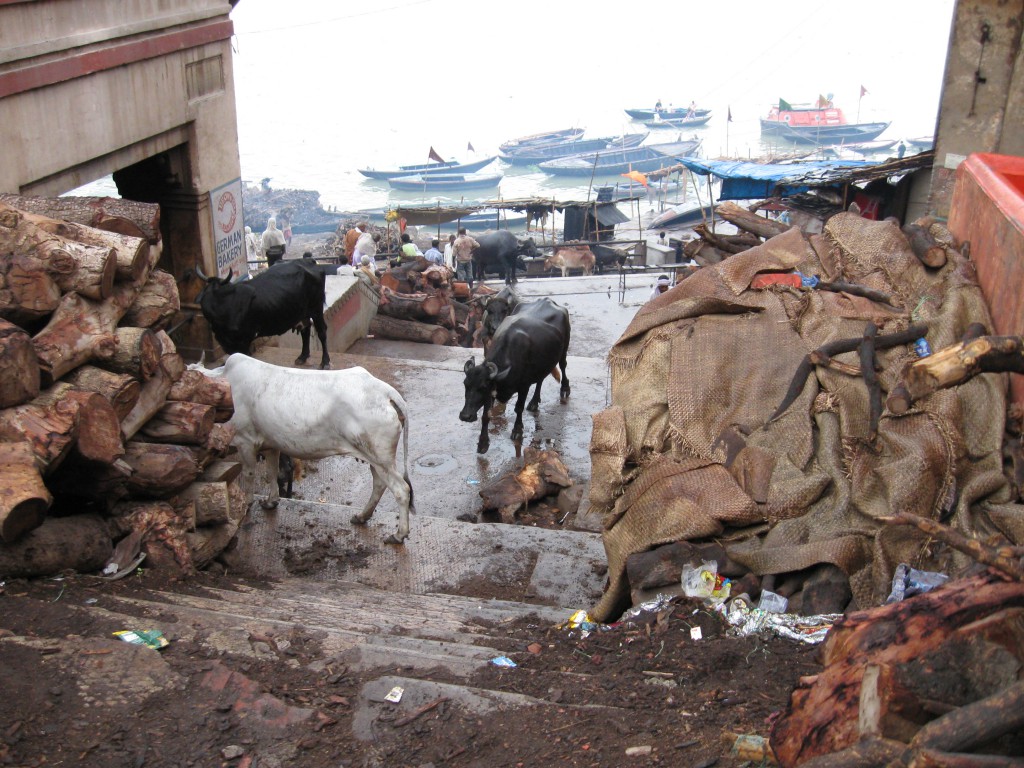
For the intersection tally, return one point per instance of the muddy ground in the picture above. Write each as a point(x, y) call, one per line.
point(652, 694)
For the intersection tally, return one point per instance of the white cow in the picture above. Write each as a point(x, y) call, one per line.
point(312, 414)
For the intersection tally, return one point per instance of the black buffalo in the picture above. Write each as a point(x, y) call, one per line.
point(283, 297)
point(501, 252)
point(496, 309)
point(526, 348)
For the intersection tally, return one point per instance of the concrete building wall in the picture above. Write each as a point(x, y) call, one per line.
point(141, 89)
point(982, 106)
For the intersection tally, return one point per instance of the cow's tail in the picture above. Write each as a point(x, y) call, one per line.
point(556, 374)
point(398, 403)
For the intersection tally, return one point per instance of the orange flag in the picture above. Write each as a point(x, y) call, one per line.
point(434, 156)
point(636, 176)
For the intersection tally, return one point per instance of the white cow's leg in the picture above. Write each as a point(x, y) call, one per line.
point(249, 458)
point(403, 495)
point(272, 458)
point(379, 486)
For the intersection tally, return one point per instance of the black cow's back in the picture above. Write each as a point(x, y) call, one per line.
point(531, 342)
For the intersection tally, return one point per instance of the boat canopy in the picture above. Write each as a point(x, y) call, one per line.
point(748, 181)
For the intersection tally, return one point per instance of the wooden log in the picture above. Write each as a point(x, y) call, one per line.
point(80, 543)
point(207, 542)
point(718, 241)
point(120, 389)
point(412, 306)
point(19, 367)
point(62, 418)
point(24, 498)
point(867, 753)
point(85, 269)
point(217, 445)
point(212, 501)
point(159, 470)
point(975, 724)
point(180, 422)
point(28, 292)
point(195, 387)
point(933, 758)
point(384, 327)
point(111, 214)
point(925, 247)
point(137, 353)
point(171, 362)
point(162, 530)
point(156, 304)
point(151, 399)
point(222, 471)
point(542, 475)
point(749, 221)
point(130, 253)
point(956, 364)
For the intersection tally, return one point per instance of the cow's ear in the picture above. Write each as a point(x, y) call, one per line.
point(470, 364)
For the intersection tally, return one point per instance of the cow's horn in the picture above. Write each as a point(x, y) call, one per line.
point(199, 271)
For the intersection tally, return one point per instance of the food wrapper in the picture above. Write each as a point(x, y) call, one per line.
point(503, 661)
point(151, 638)
point(803, 629)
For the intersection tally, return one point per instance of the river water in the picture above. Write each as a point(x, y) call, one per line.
point(324, 89)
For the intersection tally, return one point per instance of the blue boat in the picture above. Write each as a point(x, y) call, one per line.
point(669, 112)
point(694, 121)
point(617, 161)
point(423, 169)
point(544, 152)
point(437, 182)
point(628, 190)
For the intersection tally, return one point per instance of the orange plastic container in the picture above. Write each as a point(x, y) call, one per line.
point(987, 209)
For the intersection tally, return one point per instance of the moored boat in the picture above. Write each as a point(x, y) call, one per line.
point(423, 169)
point(682, 215)
point(625, 190)
point(436, 182)
point(545, 137)
point(665, 112)
point(822, 123)
point(544, 152)
point(617, 161)
point(678, 122)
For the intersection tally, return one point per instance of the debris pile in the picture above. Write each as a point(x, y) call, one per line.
point(104, 435)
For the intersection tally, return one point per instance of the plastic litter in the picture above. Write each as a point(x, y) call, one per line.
point(503, 661)
point(395, 694)
point(922, 347)
point(705, 582)
point(151, 638)
point(907, 582)
point(772, 603)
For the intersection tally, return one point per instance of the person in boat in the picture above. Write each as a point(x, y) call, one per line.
point(692, 111)
point(657, 107)
point(901, 150)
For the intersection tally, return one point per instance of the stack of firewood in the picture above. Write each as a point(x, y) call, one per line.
point(105, 437)
point(419, 303)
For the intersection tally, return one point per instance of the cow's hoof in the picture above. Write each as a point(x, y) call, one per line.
point(392, 539)
point(268, 504)
point(357, 520)
point(482, 447)
point(564, 394)
point(517, 437)
point(300, 360)
point(325, 367)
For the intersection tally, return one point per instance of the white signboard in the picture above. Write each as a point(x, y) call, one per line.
point(228, 234)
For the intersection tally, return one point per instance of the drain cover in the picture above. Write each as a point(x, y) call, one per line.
point(435, 463)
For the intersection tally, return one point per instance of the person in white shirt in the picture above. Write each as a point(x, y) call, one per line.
point(663, 284)
point(449, 253)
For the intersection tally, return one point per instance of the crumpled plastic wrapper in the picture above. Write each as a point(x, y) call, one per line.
point(803, 629)
point(657, 603)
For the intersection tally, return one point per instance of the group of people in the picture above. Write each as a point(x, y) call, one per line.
point(269, 247)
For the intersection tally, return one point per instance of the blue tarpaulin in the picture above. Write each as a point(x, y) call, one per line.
point(749, 181)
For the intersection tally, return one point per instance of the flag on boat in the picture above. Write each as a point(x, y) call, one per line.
point(785, 106)
point(823, 102)
point(729, 117)
point(469, 146)
point(635, 176)
point(434, 156)
point(863, 91)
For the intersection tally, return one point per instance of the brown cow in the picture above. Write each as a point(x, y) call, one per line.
point(566, 257)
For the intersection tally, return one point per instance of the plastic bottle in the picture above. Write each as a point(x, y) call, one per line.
point(922, 347)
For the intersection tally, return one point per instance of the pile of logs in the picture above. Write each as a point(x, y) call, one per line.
point(418, 303)
point(929, 239)
point(105, 436)
point(932, 680)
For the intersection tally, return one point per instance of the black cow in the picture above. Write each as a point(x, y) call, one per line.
point(526, 348)
point(283, 297)
point(501, 252)
point(496, 309)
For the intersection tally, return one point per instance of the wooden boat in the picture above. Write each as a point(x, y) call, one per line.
point(424, 169)
point(665, 112)
point(860, 148)
point(617, 161)
point(545, 137)
point(822, 124)
point(544, 152)
point(682, 215)
point(921, 143)
point(436, 182)
point(626, 190)
point(678, 122)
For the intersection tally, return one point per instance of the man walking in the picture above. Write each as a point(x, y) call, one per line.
point(463, 248)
